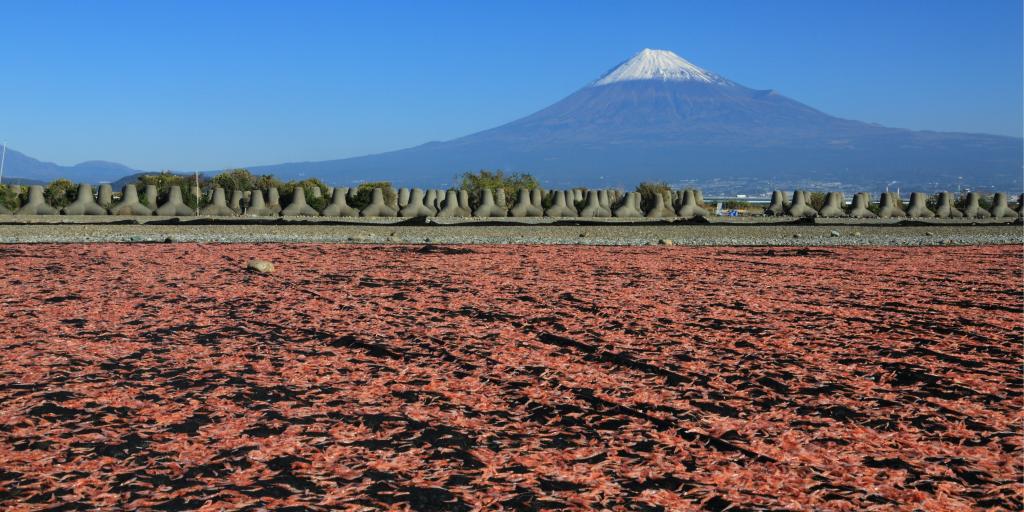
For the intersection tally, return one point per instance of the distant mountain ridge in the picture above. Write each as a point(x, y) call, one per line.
point(19, 167)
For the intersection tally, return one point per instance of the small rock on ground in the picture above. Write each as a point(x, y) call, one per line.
point(261, 266)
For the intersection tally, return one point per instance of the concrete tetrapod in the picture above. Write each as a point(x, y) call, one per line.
point(36, 204)
point(274, 200)
point(500, 200)
point(946, 208)
point(442, 200)
point(257, 206)
point(918, 207)
point(973, 210)
point(593, 207)
point(1000, 209)
point(488, 208)
point(378, 207)
point(659, 210)
point(417, 205)
point(560, 208)
point(105, 195)
point(777, 206)
point(464, 203)
point(1020, 205)
point(339, 206)
point(451, 205)
point(537, 198)
point(174, 206)
point(630, 206)
point(218, 206)
point(439, 198)
point(392, 200)
point(889, 207)
point(129, 203)
point(298, 206)
point(430, 200)
point(403, 197)
point(688, 208)
point(150, 195)
point(833, 206)
point(799, 206)
point(524, 206)
point(605, 201)
point(859, 208)
point(236, 201)
point(84, 204)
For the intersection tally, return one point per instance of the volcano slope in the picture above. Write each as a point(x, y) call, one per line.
point(160, 376)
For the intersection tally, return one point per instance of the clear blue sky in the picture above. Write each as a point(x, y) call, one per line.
point(208, 85)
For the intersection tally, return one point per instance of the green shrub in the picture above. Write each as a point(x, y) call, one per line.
point(241, 179)
point(165, 180)
point(474, 182)
point(547, 199)
point(649, 189)
point(59, 193)
point(318, 203)
point(9, 196)
point(816, 200)
point(287, 190)
point(189, 198)
point(266, 181)
point(364, 192)
point(234, 179)
point(163, 183)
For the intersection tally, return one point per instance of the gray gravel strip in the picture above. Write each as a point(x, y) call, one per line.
point(676, 234)
point(476, 221)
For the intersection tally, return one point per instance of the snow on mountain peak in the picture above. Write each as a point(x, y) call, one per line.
point(659, 65)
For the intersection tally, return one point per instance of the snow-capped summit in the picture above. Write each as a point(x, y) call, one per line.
point(659, 65)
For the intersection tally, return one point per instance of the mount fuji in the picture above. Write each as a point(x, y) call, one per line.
point(657, 116)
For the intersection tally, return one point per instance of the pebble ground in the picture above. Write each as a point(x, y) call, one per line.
point(677, 234)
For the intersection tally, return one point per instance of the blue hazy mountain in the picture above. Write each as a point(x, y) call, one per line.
point(21, 168)
point(659, 117)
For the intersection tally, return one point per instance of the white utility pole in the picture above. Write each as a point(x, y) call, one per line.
point(3, 157)
point(197, 193)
